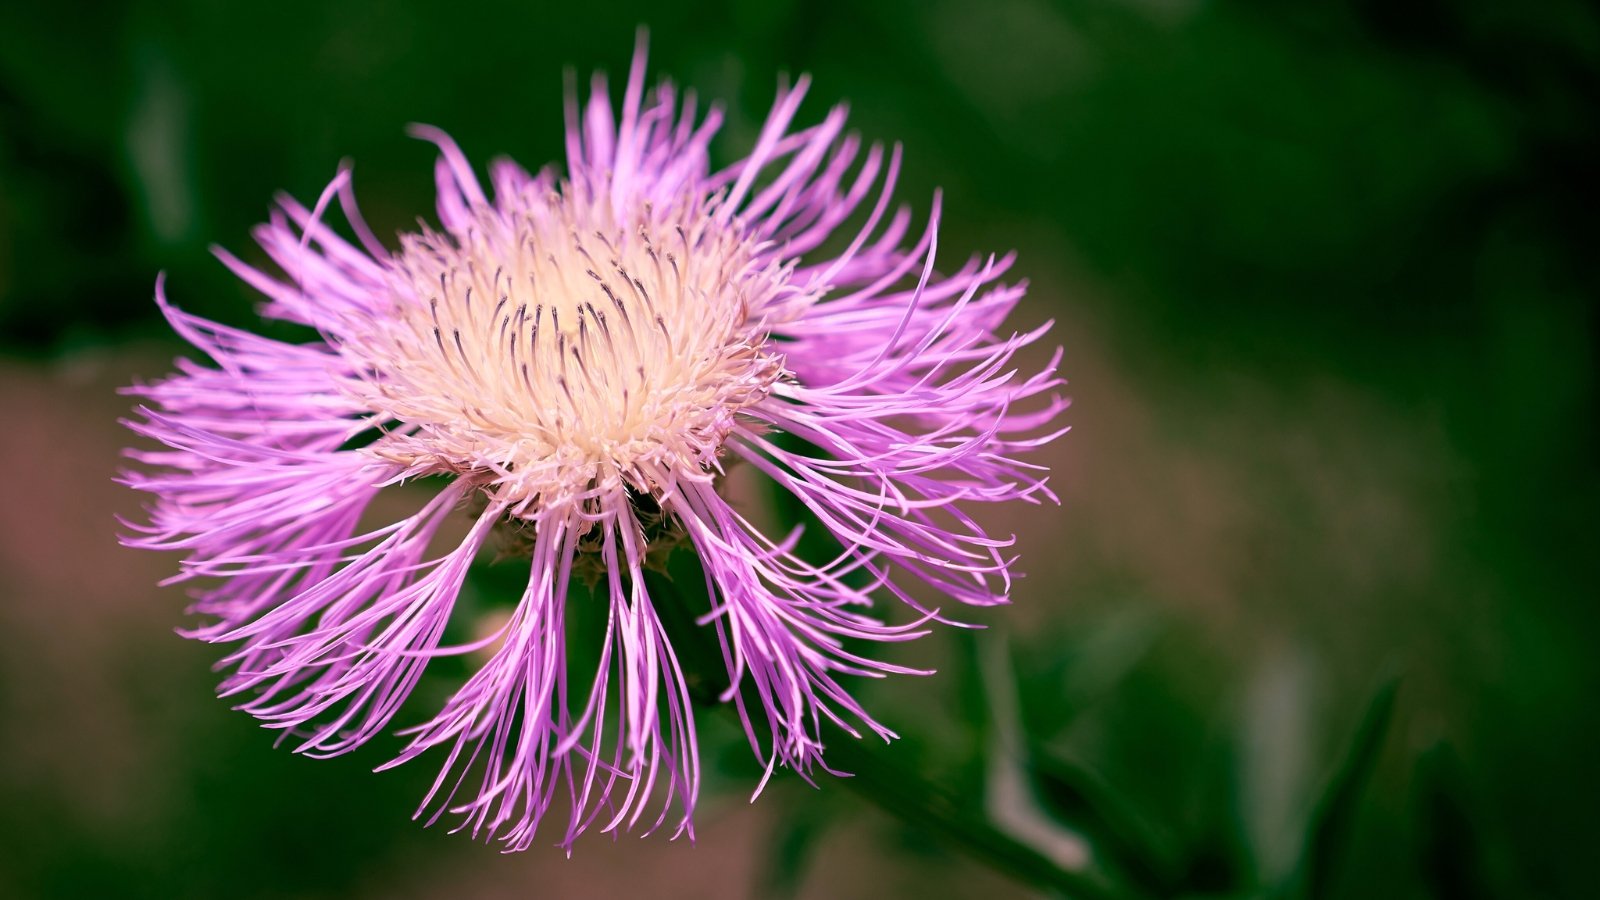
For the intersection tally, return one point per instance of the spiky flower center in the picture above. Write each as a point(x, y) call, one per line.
point(559, 349)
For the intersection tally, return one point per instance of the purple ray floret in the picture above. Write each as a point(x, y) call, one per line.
point(576, 361)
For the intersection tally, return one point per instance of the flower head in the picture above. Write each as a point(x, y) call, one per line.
point(580, 359)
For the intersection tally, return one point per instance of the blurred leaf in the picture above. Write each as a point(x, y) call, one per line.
point(1121, 844)
point(1128, 841)
point(1334, 816)
point(1450, 848)
point(1010, 795)
point(875, 771)
point(1275, 769)
point(938, 810)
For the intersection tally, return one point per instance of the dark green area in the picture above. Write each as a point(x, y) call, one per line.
point(1348, 243)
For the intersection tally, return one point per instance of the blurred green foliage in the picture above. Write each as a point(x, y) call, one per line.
point(1337, 265)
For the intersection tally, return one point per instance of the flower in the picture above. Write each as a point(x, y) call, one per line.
point(576, 362)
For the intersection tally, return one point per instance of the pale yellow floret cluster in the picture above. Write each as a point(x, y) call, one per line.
point(559, 349)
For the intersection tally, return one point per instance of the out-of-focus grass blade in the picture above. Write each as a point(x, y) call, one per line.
point(939, 811)
point(1113, 841)
point(1124, 839)
point(1450, 848)
point(1276, 770)
point(1011, 796)
point(1334, 815)
point(877, 773)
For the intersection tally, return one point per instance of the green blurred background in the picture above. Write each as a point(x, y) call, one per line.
point(1325, 277)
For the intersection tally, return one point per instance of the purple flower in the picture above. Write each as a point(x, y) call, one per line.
point(579, 359)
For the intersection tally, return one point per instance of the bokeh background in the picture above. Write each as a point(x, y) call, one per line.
point(1325, 277)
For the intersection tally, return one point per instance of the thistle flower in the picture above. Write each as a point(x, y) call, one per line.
point(577, 361)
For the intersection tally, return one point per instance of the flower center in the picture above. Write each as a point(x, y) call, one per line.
point(557, 350)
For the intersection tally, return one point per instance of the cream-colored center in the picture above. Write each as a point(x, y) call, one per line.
point(551, 350)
